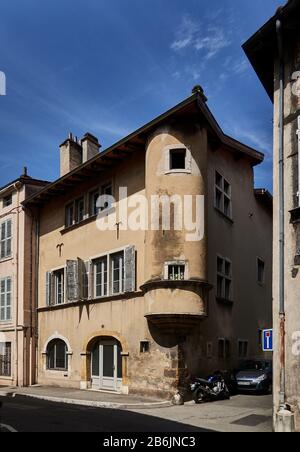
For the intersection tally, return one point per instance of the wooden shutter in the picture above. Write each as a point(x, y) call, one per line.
point(90, 280)
point(73, 284)
point(85, 276)
point(129, 264)
point(48, 288)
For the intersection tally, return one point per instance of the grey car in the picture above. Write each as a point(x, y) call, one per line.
point(255, 376)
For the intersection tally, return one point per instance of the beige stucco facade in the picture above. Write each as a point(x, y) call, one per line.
point(291, 225)
point(17, 322)
point(274, 52)
point(180, 321)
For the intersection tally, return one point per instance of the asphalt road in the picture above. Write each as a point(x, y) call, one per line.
point(31, 415)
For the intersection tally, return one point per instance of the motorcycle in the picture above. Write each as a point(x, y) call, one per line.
point(211, 389)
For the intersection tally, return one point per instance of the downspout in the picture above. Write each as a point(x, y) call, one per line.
point(298, 134)
point(17, 188)
point(282, 394)
point(36, 318)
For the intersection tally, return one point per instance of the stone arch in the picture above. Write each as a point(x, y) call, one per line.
point(57, 336)
point(86, 355)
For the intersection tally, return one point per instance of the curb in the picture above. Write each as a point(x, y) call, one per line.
point(7, 428)
point(94, 404)
point(7, 394)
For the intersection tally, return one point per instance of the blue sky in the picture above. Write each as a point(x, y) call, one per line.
point(108, 67)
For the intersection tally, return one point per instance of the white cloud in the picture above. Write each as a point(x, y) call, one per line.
point(257, 139)
point(186, 33)
point(213, 42)
point(193, 35)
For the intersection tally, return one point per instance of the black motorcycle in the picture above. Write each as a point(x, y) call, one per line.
point(211, 389)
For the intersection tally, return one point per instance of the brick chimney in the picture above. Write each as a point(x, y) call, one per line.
point(70, 155)
point(90, 147)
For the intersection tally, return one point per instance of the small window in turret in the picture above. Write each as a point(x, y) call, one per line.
point(177, 159)
point(176, 272)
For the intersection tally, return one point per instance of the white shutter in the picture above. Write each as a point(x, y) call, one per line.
point(73, 286)
point(129, 265)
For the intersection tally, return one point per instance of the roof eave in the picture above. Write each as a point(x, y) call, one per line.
point(98, 160)
point(261, 48)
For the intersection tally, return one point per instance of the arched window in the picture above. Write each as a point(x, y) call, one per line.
point(57, 358)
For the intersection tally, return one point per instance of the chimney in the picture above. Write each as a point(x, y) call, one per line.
point(90, 147)
point(70, 155)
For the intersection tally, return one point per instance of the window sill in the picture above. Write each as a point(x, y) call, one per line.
point(222, 214)
point(224, 301)
point(123, 296)
point(6, 259)
point(177, 172)
point(6, 323)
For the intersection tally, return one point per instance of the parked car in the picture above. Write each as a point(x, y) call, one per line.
point(255, 376)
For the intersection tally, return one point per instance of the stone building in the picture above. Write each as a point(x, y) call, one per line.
point(154, 257)
point(17, 284)
point(274, 52)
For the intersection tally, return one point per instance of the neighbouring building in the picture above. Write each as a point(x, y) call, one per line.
point(274, 52)
point(17, 284)
point(132, 299)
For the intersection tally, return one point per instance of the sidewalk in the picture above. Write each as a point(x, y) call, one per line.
point(89, 398)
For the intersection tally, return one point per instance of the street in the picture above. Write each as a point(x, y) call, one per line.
point(241, 413)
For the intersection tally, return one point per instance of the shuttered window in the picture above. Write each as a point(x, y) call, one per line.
point(111, 274)
point(6, 239)
point(5, 299)
point(114, 273)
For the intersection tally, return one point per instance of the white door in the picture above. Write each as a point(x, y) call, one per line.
point(107, 365)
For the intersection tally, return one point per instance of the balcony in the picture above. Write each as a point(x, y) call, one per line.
point(176, 306)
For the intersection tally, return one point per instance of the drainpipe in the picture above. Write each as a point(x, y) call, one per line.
point(281, 217)
point(298, 133)
point(36, 318)
point(17, 188)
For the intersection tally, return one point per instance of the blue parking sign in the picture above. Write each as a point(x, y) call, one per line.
point(267, 340)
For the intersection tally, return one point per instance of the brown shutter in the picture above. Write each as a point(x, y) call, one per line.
point(91, 280)
point(73, 285)
point(48, 289)
point(129, 264)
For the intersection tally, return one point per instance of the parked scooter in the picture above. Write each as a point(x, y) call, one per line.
point(211, 389)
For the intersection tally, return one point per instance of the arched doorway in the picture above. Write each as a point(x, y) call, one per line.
point(106, 364)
